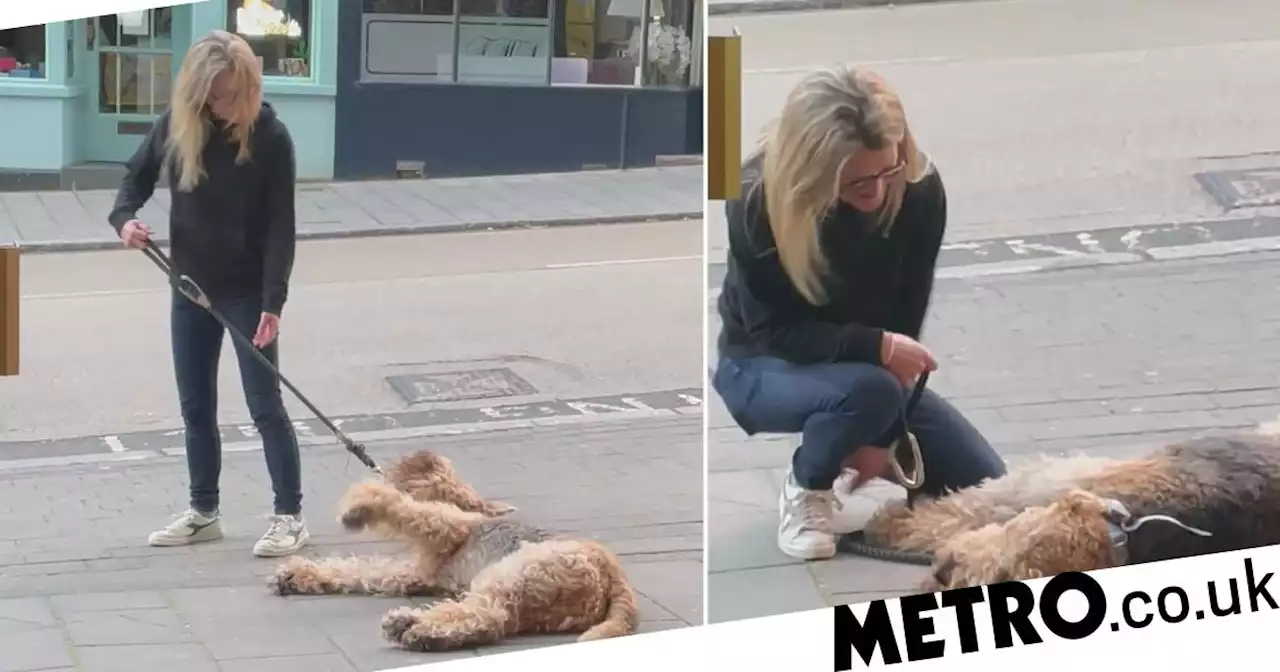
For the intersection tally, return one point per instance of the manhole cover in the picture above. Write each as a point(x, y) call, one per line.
point(1248, 188)
point(417, 388)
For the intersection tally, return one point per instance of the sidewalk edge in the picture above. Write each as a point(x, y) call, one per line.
point(55, 246)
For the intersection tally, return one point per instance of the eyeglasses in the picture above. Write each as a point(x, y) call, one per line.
point(864, 182)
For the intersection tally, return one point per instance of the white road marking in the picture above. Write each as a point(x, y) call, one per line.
point(114, 443)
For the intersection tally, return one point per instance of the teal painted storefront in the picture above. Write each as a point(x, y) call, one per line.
point(57, 123)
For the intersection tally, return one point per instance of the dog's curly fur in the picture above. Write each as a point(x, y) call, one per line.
point(499, 577)
point(1050, 516)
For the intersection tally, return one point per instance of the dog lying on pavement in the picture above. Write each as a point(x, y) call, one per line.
point(498, 576)
point(1055, 515)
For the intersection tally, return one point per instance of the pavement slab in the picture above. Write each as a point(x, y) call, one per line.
point(79, 589)
point(64, 221)
point(1110, 361)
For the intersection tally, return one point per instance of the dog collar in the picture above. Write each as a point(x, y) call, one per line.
point(1117, 537)
point(1120, 524)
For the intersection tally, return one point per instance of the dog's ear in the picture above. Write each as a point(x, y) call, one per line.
point(495, 509)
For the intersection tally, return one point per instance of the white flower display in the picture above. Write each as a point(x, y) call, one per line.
point(670, 49)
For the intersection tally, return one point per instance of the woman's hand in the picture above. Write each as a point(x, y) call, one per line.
point(905, 358)
point(135, 234)
point(268, 329)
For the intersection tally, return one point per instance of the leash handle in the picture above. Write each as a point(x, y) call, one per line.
point(910, 476)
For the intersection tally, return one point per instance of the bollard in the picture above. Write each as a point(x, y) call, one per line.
point(9, 310)
point(724, 117)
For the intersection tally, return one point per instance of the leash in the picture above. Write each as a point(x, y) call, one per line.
point(905, 455)
point(188, 288)
point(908, 468)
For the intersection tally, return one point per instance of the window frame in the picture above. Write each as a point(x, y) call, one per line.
point(364, 77)
point(308, 35)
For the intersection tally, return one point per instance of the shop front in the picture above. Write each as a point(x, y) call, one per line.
point(441, 88)
point(78, 96)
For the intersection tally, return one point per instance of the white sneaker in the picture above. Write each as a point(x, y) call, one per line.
point(286, 536)
point(804, 531)
point(189, 527)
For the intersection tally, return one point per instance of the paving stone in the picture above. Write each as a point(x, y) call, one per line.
point(768, 591)
point(636, 484)
point(325, 663)
point(185, 657)
point(129, 626)
point(31, 650)
point(93, 602)
point(24, 614)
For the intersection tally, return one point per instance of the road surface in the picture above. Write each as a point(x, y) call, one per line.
point(1050, 116)
point(566, 313)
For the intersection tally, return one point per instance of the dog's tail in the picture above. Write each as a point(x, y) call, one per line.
point(623, 615)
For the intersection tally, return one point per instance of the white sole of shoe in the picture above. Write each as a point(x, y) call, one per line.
point(821, 553)
point(201, 537)
point(282, 552)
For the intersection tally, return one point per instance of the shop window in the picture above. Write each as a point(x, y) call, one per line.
point(537, 42)
point(498, 41)
point(22, 52)
point(134, 54)
point(669, 55)
point(278, 31)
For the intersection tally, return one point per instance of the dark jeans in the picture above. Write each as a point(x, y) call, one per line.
point(840, 407)
point(197, 345)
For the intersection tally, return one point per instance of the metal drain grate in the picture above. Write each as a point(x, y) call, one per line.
point(418, 388)
point(1250, 188)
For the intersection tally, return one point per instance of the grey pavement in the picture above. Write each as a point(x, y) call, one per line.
point(1111, 360)
point(1053, 116)
point(67, 220)
point(79, 588)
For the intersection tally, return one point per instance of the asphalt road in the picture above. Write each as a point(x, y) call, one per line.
point(1049, 116)
point(565, 313)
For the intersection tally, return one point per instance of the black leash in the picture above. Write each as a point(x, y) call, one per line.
point(188, 288)
point(908, 467)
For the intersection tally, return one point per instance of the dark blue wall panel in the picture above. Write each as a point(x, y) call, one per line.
point(465, 130)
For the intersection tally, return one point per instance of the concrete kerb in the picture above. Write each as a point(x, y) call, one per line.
point(375, 436)
point(54, 246)
point(726, 7)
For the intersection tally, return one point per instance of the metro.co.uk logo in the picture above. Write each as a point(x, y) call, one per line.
point(1007, 613)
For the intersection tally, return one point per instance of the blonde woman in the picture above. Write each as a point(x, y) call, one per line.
point(831, 262)
point(230, 169)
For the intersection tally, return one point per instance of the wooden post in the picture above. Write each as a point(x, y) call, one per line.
point(724, 117)
point(9, 310)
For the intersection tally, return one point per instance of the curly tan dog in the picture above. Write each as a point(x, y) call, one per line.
point(500, 577)
point(1059, 515)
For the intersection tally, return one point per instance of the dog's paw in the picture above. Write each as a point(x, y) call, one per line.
point(494, 509)
point(397, 622)
point(363, 501)
point(285, 580)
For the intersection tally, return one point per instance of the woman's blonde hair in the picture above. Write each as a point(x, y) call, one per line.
point(189, 124)
point(829, 115)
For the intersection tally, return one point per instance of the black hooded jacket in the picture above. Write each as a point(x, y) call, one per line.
point(234, 234)
point(875, 283)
